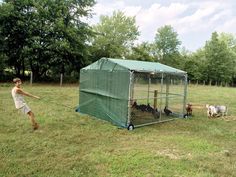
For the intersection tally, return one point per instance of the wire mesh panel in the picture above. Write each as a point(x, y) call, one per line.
point(156, 97)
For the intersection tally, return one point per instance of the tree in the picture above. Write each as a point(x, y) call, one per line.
point(220, 62)
point(63, 34)
point(142, 52)
point(167, 45)
point(114, 36)
point(230, 41)
point(39, 34)
point(2, 65)
point(13, 32)
point(195, 66)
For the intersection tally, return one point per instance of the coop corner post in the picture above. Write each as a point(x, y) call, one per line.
point(130, 99)
point(185, 92)
point(149, 83)
point(155, 99)
point(162, 76)
point(167, 90)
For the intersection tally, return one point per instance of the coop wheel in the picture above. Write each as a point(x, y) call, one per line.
point(130, 127)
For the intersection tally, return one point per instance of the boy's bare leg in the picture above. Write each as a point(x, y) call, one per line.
point(32, 119)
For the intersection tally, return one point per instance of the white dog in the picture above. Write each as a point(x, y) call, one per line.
point(216, 111)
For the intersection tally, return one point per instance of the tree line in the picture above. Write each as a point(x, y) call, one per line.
point(49, 37)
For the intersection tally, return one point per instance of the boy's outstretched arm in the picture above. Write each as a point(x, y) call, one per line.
point(20, 91)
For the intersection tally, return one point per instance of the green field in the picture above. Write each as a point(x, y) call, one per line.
point(70, 144)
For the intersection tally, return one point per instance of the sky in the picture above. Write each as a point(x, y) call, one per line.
point(193, 20)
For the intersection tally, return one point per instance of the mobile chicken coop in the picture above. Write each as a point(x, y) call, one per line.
point(132, 93)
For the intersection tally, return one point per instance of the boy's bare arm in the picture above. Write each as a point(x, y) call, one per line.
point(20, 91)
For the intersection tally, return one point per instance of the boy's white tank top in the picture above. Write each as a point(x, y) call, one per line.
point(18, 99)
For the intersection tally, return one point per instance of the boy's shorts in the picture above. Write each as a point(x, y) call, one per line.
point(25, 109)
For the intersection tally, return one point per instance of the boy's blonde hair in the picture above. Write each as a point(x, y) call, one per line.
point(15, 80)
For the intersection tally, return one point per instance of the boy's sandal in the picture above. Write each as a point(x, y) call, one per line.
point(35, 126)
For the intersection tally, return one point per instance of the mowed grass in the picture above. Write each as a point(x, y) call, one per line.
point(71, 144)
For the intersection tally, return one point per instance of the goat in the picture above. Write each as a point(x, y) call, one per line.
point(189, 109)
point(216, 111)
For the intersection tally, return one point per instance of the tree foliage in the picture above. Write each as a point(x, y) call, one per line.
point(114, 35)
point(220, 62)
point(167, 45)
point(40, 34)
point(142, 52)
point(230, 41)
point(195, 65)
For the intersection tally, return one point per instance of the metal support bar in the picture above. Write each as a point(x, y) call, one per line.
point(155, 99)
point(130, 100)
point(162, 75)
point(156, 122)
point(149, 83)
point(167, 91)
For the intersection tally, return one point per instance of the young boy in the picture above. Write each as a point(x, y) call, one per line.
point(17, 94)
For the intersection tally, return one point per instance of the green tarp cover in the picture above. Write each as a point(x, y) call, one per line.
point(134, 65)
point(144, 66)
point(104, 92)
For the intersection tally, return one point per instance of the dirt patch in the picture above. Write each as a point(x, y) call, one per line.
point(228, 118)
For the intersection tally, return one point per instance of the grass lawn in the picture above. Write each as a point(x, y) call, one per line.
point(70, 144)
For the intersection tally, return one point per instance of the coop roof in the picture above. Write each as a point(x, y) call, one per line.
point(132, 65)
